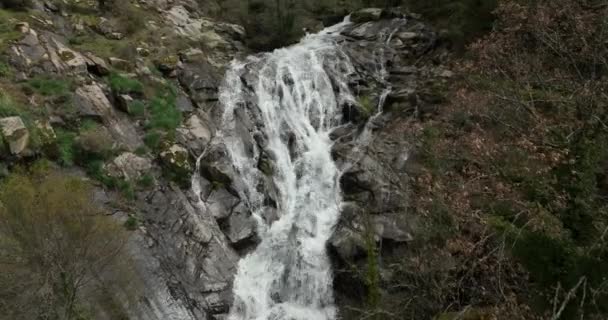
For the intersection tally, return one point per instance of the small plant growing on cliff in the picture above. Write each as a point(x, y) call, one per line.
point(124, 85)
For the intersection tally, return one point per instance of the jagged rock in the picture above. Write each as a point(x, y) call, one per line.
point(389, 227)
point(192, 250)
point(107, 29)
point(177, 159)
point(201, 80)
point(91, 101)
point(120, 64)
point(195, 134)
point(46, 53)
point(183, 103)
point(123, 102)
point(15, 133)
point(220, 202)
point(22, 27)
point(96, 65)
point(240, 226)
point(129, 166)
point(365, 15)
point(167, 65)
point(214, 166)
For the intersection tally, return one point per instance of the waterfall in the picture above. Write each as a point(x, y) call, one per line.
point(296, 99)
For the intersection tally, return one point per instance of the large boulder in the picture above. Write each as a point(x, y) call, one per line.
point(15, 133)
point(129, 166)
point(177, 160)
point(195, 134)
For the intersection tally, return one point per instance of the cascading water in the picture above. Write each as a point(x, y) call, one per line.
point(298, 93)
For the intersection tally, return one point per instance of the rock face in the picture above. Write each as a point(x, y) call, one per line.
point(44, 53)
point(91, 102)
point(189, 243)
point(129, 166)
point(15, 134)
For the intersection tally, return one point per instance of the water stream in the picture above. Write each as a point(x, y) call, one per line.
point(298, 93)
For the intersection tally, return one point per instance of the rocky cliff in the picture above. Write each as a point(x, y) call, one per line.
point(191, 226)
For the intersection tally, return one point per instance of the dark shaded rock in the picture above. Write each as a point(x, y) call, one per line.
point(366, 15)
point(201, 80)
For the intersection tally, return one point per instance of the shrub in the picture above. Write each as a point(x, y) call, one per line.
point(153, 140)
point(5, 70)
point(53, 236)
point(146, 181)
point(123, 85)
point(137, 109)
point(50, 86)
point(66, 141)
point(163, 112)
point(131, 224)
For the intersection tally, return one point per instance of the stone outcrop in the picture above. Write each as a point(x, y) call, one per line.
point(129, 166)
point(91, 102)
point(15, 134)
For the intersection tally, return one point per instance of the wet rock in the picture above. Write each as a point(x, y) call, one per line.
point(240, 226)
point(214, 166)
point(366, 15)
point(129, 166)
point(15, 134)
point(220, 202)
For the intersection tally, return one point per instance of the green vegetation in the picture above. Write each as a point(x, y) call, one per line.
point(163, 111)
point(137, 109)
point(123, 85)
point(40, 206)
point(146, 181)
point(131, 223)
point(50, 86)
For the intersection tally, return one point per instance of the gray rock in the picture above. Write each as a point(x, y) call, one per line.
point(221, 203)
point(177, 159)
point(120, 64)
point(129, 166)
point(123, 102)
point(15, 134)
point(195, 134)
point(91, 101)
point(241, 226)
point(96, 65)
point(46, 52)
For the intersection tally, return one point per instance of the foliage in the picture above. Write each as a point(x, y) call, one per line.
point(137, 109)
point(163, 111)
point(121, 84)
point(54, 243)
point(48, 86)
